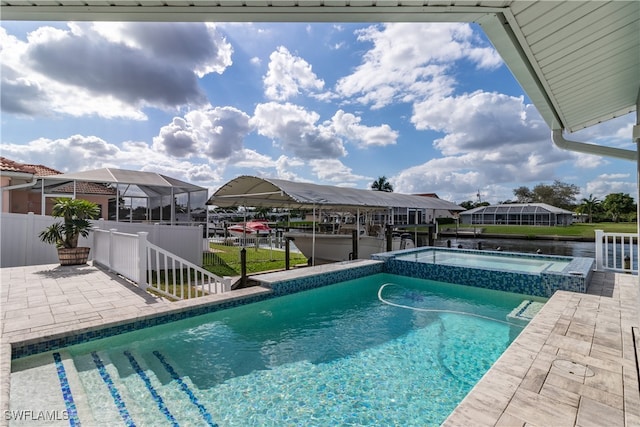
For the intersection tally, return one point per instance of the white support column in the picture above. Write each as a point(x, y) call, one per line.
point(599, 254)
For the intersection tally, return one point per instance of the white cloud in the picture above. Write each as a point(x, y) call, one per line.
point(588, 161)
point(251, 159)
point(348, 126)
point(216, 133)
point(336, 172)
point(79, 153)
point(480, 120)
point(288, 76)
point(411, 61)
point(285, 167)
point(295, 130)
point(612, 183)
point(109, 70)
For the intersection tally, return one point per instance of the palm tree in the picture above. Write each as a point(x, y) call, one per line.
point(590, 204)
point(381, 184)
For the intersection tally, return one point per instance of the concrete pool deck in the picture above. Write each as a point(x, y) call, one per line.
point(575, 364)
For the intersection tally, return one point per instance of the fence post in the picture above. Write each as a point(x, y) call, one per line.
point(354, 244)
point(243, 267)
point(226, 284)
point(142, 260)
point(599, 244)
point(287, 254)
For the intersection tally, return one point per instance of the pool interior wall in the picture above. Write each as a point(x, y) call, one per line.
point(574, 277)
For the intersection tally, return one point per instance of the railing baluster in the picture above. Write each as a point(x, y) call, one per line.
point(613, 254)
point(124, 249)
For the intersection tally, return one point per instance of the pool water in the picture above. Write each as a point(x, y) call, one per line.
point(492, 261)
point(380, 350)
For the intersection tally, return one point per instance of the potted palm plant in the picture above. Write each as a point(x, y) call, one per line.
point(76, 214)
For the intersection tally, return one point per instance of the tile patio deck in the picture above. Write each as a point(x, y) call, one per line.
point(575, 364)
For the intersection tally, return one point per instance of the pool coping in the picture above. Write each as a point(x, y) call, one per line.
point(530, 385)
point(521, 372)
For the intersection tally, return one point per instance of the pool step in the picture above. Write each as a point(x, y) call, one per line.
point(523, 313)
point(133, 389)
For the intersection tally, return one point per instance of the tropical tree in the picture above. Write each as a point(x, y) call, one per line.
point(470, 204)
point(523, 194)
point(559, 194)
point(382, 184)
point(617, 204)
point(589, 205)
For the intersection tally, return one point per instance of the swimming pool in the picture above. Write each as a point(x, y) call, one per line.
point(379, 350)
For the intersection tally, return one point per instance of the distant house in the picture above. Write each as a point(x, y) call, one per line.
point(517, 214)
point(22, 190)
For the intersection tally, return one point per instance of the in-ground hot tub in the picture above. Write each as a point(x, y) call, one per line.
point(531, 274)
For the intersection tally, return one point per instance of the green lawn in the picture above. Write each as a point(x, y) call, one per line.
point(577, 230)
point(226, 260)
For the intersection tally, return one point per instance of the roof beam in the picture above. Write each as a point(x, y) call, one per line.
point(194, 12)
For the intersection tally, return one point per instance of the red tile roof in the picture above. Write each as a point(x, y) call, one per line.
point(9, 165)
point(41, 170)
point(85, 188)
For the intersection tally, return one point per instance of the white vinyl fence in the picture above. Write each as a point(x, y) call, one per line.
point(151, 267)
point(20, 244)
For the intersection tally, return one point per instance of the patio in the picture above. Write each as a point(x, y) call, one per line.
point(575, 364)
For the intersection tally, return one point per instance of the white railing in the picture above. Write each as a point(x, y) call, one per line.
point(182, 240)
point(151, 267)
point(617, 252)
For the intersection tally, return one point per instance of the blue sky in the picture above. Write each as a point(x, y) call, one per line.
point(430, 106)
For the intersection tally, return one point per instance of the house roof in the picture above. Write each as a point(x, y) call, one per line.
point(8, 165)
point(578, 61)
point(42, 170)
point(518, 208)
point(278, 193)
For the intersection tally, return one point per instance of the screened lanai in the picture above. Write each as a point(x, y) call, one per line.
point(140, 196)
point(517, 214)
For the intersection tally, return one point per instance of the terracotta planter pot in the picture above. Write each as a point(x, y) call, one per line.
point(73, 256)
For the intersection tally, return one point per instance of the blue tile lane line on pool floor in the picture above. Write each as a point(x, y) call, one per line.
point(174, 375)
point(72, 412)
point(122, 408)
point(158, 399)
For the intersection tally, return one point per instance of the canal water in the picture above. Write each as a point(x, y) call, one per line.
point(547, 247)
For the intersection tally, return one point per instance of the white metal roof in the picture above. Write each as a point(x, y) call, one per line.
point(517, 208)
point(151, 183)
point(578, 61)
point(267, 192)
